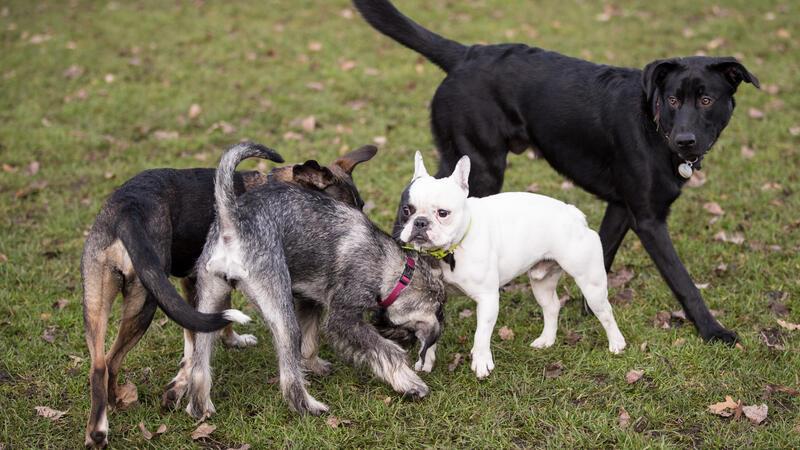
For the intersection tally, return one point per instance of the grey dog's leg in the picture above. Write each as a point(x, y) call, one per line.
point(309, 315)
point(361, 343)
point(274, 299)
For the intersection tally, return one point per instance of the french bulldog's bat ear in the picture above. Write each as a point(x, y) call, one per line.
point(349, 161)
point(310, 174)
point(734, 72)
point(461, 173)
point(419, 167)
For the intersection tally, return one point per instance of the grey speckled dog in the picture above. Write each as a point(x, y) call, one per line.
point(281, 242)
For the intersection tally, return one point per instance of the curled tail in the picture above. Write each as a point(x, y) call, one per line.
point(384, 17)
point(224, 194)
point(149, 269)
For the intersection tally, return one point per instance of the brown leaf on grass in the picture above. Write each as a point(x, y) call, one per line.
point(662, 320)
point(770, 389)
point(643, 347)
point(713, 208)
point(624, 418)
point(679, 342)
point(203, 431)
point(194, 111)
point(533, 187)
point(506, 333)
point(776, 305)
point(715, 43)
point(788, 325)
point(315, 86)
point(347, 65)
point(633, 376)
point(698, 179)
point(379, 140)
point(8, 168)
point(772, 338)
point(127, 395)
point(755, 113)
point(623, 297)
point(292, 136)
point(567, 185)
point(146, 434)
point(726, 408)
point(771, 186)
point(573, 337)
point(33, 168)
point(794, 131)
point(241, 447)
point(72, 72)
point(49, 413)
point(60, 304)
point(335, 422)
point(755, 413)
point(347, 13)
point(165, 135)
point(465, 313)
point(3, 258)
point(315, 46)
point(274, 380)
point(457, 358)
point(748, 152)
point(31, 189)
point(308, 124)
point(554, 370)
point(721, 269)
point(224, 127)
point(49, 334)
point(620, 277)
point(735, 238)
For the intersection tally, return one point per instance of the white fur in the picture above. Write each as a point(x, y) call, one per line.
point(234, 315)
point(511, 234)
point(226, 259)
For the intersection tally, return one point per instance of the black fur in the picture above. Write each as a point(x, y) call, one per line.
point(611, 130)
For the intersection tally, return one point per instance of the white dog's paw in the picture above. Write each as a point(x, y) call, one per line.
point(543, 342)
point(240, 340)
point(482, 363)
point(616, 346)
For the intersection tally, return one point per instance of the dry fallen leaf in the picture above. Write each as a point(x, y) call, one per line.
point(620, 277)
point(661, 320)
point(308, 124)
point(755, 413)
point(60, 304)
point(772, 338)
point(292, 136)
point(242, 447)
point(769, 389)
point(380, 140)
point(315, 86)
point(633, 376)
point(347, 65)
point(698, 179)
point(49, 334)
point(735, 238)
point(126, 395)
point(164, 135)
point(624, 418)
point(748, 152)
point(726, 408)
point(74, 71)
point(755, 113)
point(335, 422)
point(714, 208)
point(623, 297)
point(203, 431)
point(533, 187)
point(567, 185)
point(573, 337)
point(315, 46)
point(49, 413)
point(679, 342)
point(457, 357)
point(788, 325)
point(506, 333)
point(194, 111)
point(553, 370)
point(146, 434)
point(465, 313)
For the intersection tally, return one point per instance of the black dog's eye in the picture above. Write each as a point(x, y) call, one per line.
point(673, 101)
point(706, 100)
point(442, 213)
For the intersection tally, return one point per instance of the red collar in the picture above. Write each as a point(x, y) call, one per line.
point(405, 280)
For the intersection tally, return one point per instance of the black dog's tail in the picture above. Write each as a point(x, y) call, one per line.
point(384, 17)
point(149, 269)
point(224, 195)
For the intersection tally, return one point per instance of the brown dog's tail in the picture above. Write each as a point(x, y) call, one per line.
point(384, 17)
point(150, 270)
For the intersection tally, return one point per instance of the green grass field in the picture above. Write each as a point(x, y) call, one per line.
point(92, 93)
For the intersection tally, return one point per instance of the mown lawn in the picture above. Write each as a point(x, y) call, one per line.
point(94, 92)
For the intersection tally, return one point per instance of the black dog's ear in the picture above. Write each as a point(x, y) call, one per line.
point(311, 174)
point(654, 73)
point(349, 161)
point(734, 71)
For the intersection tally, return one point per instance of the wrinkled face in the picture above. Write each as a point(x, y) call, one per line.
point(431, 212)
point(692, 100)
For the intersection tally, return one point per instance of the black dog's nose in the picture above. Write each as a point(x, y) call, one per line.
point(685, 140)
point(420, 222)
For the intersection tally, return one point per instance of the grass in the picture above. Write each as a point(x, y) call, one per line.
point(250, 65)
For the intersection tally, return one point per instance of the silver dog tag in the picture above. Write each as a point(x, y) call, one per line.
point(685, 170)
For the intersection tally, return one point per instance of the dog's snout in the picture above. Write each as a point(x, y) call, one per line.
point(685, 140)
point(420, 222)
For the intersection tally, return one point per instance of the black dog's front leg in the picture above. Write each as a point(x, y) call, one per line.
point(613, 229)
point(655, 239)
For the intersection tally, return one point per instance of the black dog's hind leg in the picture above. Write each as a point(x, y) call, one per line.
point(655, 239)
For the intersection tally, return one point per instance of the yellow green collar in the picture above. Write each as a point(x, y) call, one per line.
point(441, 253)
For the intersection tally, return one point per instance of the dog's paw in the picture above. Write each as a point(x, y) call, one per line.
point(314, 407)
point(417, 393)
point(318, 366)
point(96, 439)
point(616, 346)
point(240, 340)
point(543, 342)
point(720, 334)
point(200, 409)
point(408, 383)
point(482, 363)
point(423, 366)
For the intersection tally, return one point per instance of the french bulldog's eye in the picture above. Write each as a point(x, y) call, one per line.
point(706, 100)
point(406, 211)
point(442, 213)
point(673, 101)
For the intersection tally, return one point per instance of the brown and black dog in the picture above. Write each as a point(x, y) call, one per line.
point(154, 226)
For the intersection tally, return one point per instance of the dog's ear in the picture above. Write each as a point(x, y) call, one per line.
point(734, 71)
point(349, 161)
point(311, 174)
point(654, 73)
point(419, 167)
point(461, 173)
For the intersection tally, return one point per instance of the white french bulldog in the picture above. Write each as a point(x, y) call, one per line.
point(490, 241)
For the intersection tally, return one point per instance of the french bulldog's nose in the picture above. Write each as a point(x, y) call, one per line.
point(685, 140)
point(420, 222)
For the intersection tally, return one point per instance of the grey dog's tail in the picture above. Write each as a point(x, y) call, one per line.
point(384, 17)
point(223, 182)
point(150, 271)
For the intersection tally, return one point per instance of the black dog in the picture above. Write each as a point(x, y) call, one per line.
point(628, 136)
